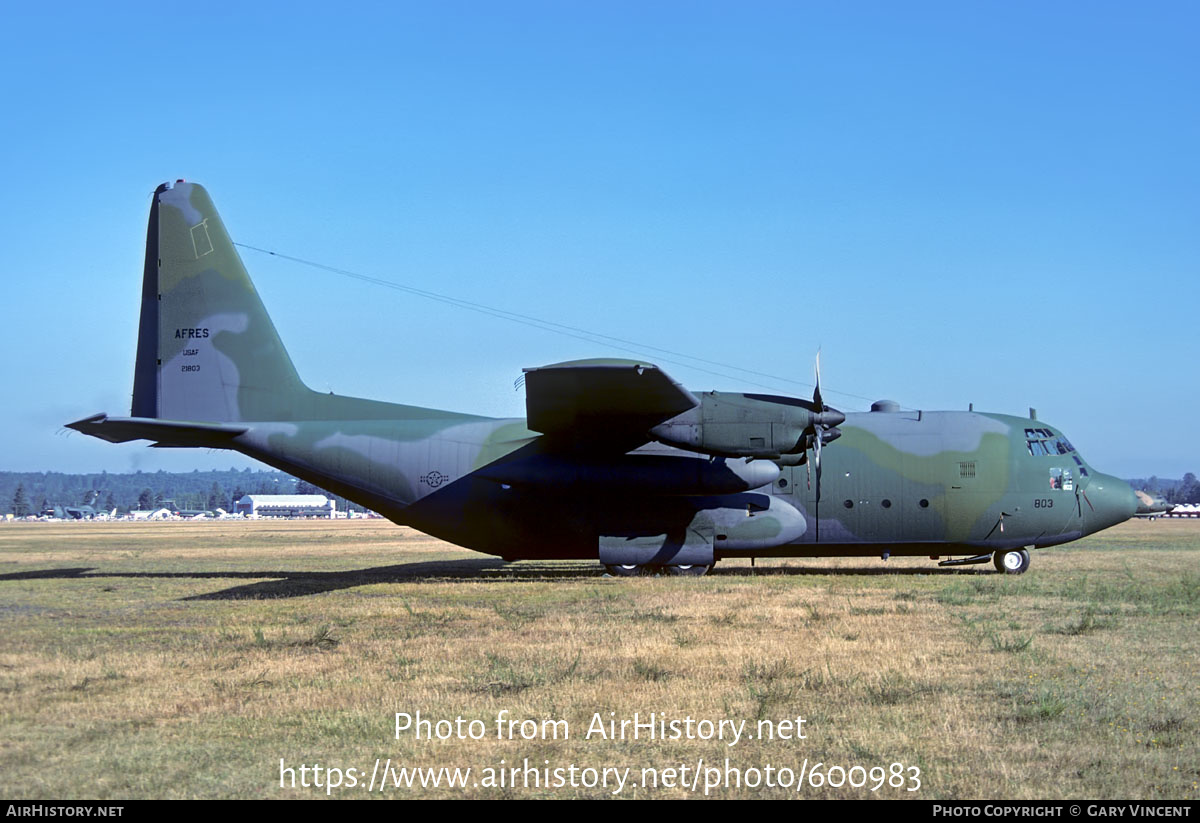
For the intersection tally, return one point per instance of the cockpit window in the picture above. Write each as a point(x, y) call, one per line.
point(1043, 442)
point(1060, 479)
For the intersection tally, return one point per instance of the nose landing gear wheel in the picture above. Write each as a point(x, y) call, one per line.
point(686, 571)
point(1011, 562)
point(626, 571)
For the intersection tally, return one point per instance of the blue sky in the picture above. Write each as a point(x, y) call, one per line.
point(995, 203)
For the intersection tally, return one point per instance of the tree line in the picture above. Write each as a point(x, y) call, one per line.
point(24, 493)
point(1186, 490)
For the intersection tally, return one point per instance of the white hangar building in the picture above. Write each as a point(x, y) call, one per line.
point(286, 505)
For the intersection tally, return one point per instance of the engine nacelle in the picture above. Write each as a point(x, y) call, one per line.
point(746, 425)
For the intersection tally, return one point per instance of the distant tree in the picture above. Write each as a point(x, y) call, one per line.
point(1189, 491)
point(109, 502)
point(1184, 492)
point(238, 494)
point(145, 499)
point(306, 488)
point(20, 503)
point(215, 496)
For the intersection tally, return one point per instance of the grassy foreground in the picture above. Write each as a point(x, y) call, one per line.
point(187, 659)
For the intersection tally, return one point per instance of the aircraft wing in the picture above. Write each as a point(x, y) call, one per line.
point(602, 400)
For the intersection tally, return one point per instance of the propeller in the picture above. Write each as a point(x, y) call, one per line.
point(823, 429)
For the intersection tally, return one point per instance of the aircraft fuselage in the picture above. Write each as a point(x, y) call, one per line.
point(910, 483)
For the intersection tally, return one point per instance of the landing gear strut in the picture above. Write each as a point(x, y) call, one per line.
point(1011, 562)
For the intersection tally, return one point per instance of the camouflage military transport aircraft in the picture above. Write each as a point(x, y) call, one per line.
point(1151, 506)
point(615, 461)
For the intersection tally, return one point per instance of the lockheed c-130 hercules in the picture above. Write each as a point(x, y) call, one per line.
point(615, 461)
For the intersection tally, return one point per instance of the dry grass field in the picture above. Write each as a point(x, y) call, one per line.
point(186, 659)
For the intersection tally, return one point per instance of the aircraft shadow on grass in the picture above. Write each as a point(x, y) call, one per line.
point(277, 584)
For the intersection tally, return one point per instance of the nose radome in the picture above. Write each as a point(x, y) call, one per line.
point(1113, 500)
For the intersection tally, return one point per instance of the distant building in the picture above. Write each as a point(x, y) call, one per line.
point(286, 505)
point(146, 514)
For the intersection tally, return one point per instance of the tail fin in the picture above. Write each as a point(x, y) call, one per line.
point(207, 351)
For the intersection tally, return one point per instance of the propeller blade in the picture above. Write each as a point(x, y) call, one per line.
point(817, 401)
point(817, 461)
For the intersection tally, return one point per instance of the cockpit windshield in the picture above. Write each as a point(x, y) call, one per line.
point(1045, 443)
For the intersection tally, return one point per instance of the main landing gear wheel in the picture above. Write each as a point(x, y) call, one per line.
point(625, 571)
point(695, 570)
point(1013, 562)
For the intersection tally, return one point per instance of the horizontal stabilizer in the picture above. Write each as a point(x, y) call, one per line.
point(165, 432)
point(621, 394)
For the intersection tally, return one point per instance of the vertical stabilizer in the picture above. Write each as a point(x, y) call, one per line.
point(207, 351)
